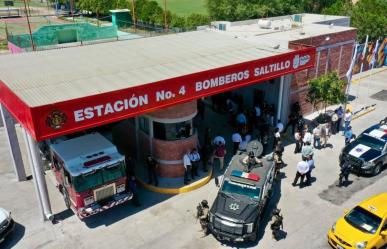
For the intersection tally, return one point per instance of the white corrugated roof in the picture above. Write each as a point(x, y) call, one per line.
point(51, 76)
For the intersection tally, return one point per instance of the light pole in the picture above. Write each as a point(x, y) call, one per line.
point(134, 15)
point(29, 26)
point(165, 16)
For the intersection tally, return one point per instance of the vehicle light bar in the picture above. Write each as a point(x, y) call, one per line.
point(96, 161)
point(250, 176)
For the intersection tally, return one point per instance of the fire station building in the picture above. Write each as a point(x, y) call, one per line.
point(156, 82)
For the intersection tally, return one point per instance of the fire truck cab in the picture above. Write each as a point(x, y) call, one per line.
point(90, 174)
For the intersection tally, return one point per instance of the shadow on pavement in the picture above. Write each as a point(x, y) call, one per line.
point(14, 237)
point(146, 198)
point(338, 195)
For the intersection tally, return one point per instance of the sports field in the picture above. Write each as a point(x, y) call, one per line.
point(185, 7)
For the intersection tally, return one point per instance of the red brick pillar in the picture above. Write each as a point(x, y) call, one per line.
point(169, 152)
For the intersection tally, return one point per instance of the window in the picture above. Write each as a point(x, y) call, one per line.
point(143, 123)
point(174, 131)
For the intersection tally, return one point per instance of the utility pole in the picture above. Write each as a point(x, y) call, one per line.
point(134, 15)
point(29, 26)
point(165, 16)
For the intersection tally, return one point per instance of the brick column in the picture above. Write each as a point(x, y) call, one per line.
point(169, 154)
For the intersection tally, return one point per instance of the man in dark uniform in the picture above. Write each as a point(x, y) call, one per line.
point(202, 214)
point(276, 223)
point(152, 167)
point(344, 173)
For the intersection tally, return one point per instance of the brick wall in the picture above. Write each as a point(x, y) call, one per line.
point(172, 150)
point(177, 111)
point(299, 86)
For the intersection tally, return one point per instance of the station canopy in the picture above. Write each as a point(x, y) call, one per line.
point(57, 92)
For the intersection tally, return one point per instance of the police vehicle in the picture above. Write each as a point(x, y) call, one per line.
point(368, 152)
point(242, 197)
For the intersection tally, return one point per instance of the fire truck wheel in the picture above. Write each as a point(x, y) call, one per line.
point(66, 198)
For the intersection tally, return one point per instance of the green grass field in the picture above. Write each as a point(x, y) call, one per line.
point(20, 3)
point(185, 7)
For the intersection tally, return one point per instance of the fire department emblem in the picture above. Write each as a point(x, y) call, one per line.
point(234, 206)
point(56, 119)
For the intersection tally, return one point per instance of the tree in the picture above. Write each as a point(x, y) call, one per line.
point(368, 16)
point(326, 90)
point(194, 20)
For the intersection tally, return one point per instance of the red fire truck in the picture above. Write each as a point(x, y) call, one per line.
point(90, 174)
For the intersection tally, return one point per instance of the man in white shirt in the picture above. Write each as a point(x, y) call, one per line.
point(187, 166)
point(236, 139)
point(194, 156)
point(280, 126)
point(302, 170)
point(308, 137)
point(347, 120)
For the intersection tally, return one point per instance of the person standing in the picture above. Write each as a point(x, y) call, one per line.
point(347, 119)
point(236, 139)
point(340, 115)
point(280, 126)
point(277, 158)
point(309, 173)
point(325, 134)
point(187, 167)
point(265, 142)
point(219, 153)
point(195, 160)
point(316, 137)
point(348, 135)
point(277, 137)
point(308, 137)
point(152, 168)
point(257, 109)
point(302, 169)
point(334, 120)
point(132, 184)
point(219, 139)
point(307, 151)
point(297, 137)
point(201, 108)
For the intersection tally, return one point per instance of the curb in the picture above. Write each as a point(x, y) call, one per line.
point(364, 113)
point(174, 191)
point(356, 81)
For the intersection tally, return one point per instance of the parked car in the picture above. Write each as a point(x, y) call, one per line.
point(368, 152)
point(364, 227)
point(6, 224)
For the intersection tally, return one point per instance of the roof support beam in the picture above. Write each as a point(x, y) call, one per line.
point(39, 178)
point(13, 144)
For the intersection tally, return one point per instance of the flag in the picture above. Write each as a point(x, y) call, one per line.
point(374, 54)
point(349, 72)
point(365, 48)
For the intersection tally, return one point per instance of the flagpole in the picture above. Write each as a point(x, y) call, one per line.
point(363, 55)
point(349, 78)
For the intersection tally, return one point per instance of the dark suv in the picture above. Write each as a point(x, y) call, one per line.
point(367, 153)
point(241, 200)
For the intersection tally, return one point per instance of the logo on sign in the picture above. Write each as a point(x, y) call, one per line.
point(296, 61)
point(300, 60)
point(234, 206)
point(359, 150)
point(56, 119)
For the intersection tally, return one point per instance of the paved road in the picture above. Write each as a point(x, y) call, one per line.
point(168, 221)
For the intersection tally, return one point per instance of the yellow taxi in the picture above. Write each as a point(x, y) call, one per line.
point(363, 227)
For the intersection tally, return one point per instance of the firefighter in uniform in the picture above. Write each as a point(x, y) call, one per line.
point(276, 223)
point(202, 214)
